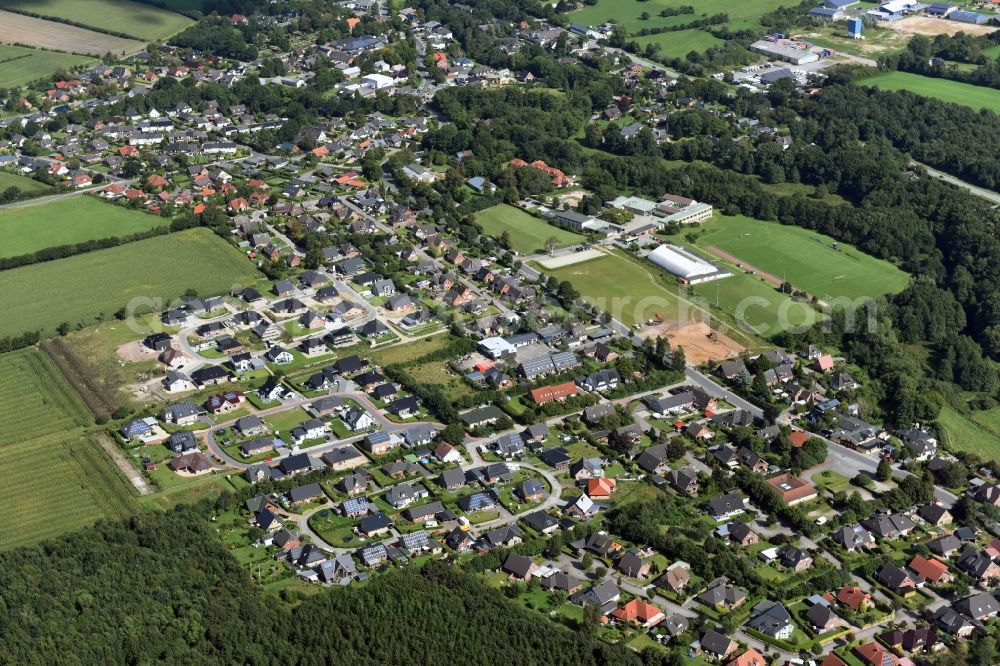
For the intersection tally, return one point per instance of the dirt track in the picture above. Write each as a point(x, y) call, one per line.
point(30, 31)
point(722, 254)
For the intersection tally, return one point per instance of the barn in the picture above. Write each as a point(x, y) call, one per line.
point(689, 268)
point(963, 16)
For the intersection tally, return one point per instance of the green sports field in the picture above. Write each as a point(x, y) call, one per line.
point(975, 97)
point(153, 272)
point(20, 65)
point(804, 258)
point(135, 19)
point(31, 228)
point(626, 289)
point(527, 232)
point(754, 305)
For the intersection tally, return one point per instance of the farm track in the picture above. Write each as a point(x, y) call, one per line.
point(98, 401)
point(133, 475)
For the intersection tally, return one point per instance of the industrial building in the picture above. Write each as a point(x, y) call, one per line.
point(784, 52)
point(689, 268)
point(833, 10)
point(940, 9)
point(776, 75)
point(963, 16)
point(895, 9)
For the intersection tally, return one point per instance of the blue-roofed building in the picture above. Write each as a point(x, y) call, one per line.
point(941, 9)
point(478, 502)
point(963, 16)
point(135, 428)
point(355, 507)
point(479, 184)
point(828, 13)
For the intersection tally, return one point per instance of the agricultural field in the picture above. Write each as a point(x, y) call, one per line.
point(138, 20)
point(22, 183)
point(955, 92)
point(31, 228)
point(58, 484)
point(804, 258)
point(628, 290)
point(19, 65)
point(35, 399)
point(963, 434)
point(148, 274)
point(527, 232)
point(628, 13)
point(31, 31)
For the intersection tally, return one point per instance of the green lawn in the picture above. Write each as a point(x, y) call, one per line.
point(527, 232)
point(149, 273)
point(20, 65)
point(75, 220)
point(22, 183)
point(681, 42)
point(627, 289)
point(976, 97)
point(961, 434)
point(989, 419)
point(804, 258)
point(135, 19)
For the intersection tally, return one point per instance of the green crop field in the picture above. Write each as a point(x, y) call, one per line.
point(59, 484)
point(804, 258)
point(135, 19)
point(975, 97)
point(32, 228)
point(35, 399)
point(20, 65)
point(626, 289)
point(527, 233)
point(962, 434)
point(154, 271)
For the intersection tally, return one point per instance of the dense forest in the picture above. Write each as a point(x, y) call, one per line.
point(161, 588)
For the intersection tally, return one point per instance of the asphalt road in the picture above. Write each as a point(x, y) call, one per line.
point(989, 195)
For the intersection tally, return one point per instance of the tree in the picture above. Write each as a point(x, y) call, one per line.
point(587, 561)
point(453, 433)
point(551, 243)
point(884, 470)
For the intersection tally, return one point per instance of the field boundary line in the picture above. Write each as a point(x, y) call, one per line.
point(123, 463)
